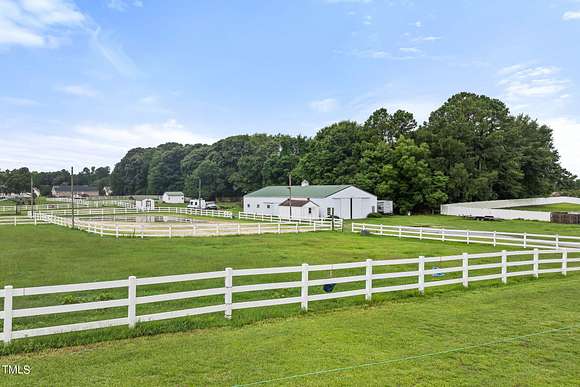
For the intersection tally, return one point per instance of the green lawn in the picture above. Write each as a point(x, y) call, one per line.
point(456, 222)
point(562, 207)
point(531, 330)
point(278, 341)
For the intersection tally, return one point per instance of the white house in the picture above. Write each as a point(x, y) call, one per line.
point(173, 197)
point(312, 201)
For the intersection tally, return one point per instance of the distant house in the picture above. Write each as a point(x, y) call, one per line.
point(63, 191)
point(312, 201)
point(145, 204)
point(173, 197)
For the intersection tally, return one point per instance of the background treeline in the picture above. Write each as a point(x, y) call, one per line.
point(18, 180)
point(471, 148)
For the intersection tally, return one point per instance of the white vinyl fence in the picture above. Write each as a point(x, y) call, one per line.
point(336, 223)
point(126, 211)
point(17, 220)
point(373, 277)
point(495, 238)
point(191, 229)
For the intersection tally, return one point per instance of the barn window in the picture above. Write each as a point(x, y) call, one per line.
point(257, 206)
point(248, 205)
point(310, 210)
point(329, 211)
point(267, 206)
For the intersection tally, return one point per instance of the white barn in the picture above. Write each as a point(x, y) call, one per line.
point(173, 197)
point(312, 201)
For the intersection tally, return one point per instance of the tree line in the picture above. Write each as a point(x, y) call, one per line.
point(471, 148)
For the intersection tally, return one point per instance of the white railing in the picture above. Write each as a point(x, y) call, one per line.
point(337, 223)
point(495, 238)
point(371, 276)
point(16, 220)
point(188, 229)
point(125, 211)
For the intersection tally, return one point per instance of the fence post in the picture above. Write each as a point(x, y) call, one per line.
point(259, 228)
point(7, 333)
point(536, 262)
point(400, 232)
point(422, 275)
point(494, 238)
point(369, 280)
point(465, 275)
point(525, 240)
point(564, 262)
point(142, 231)
point(297, 230)
point(304, 290)
point(228, 293)
point(442, 235)
point(420, 233)
point(116, 231)
point(279, 229)
point(468, 241)
point(557, 241)
point(132, 301)
point(504, 267)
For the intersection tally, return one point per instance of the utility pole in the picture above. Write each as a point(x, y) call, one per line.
point(290, 191)
point(199, 193)
point(72, 195)
point(32, 194)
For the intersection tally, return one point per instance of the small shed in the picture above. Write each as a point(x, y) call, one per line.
point(145, 205)
point(173, 197)
point(298, 208)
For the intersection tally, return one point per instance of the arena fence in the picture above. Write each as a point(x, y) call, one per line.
point(336, 223)
point(370, 277)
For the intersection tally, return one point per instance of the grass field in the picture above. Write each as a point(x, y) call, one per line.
point(279, 341)
point(562, 207)
point(435, 340)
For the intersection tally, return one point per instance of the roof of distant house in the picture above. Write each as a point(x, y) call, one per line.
point(173, 193)
point(296, 203)
point(309, 191)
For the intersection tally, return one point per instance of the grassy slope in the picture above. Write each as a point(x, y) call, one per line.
point(350, 337)
point(468, 224)
point(562, 207)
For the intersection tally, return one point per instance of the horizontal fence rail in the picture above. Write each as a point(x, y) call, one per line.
point(17, 220)
point(372, 277)
point(132, 210)
point(495, 238)
point(337, 223)
point(191, 229)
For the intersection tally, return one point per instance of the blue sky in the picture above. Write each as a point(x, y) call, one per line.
point(83, 82)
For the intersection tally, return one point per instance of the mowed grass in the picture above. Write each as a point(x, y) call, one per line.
point(520, 335)
point(562, 207)
point(459, 223)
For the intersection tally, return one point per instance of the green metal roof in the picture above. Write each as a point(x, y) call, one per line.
point(309, 191)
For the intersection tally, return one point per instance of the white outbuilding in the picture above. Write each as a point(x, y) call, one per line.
point(145, 205)
point(173, 197)
point(311, 201)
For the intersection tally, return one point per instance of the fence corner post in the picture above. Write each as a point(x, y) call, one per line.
point(369, 280)
point(7, 331)
point(564, 262)
point(504, 266)
point(132, 313)
point(421, 275)
point(304, 288)
point(536, 263)
point(228, 293)
point(465, 275)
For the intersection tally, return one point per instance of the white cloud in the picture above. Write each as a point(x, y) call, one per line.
point(324, 105)
point(566, 139)
point(418, 24)
point(114, 53)
point(348, 1)
point(523, 81)
point(95, 144)
point(420, 39)
point(412, 50)
point(571, 15)
point(17, 101)
point(123, 5)
point(37, 23)
point(78, 90)
point(368, 20)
